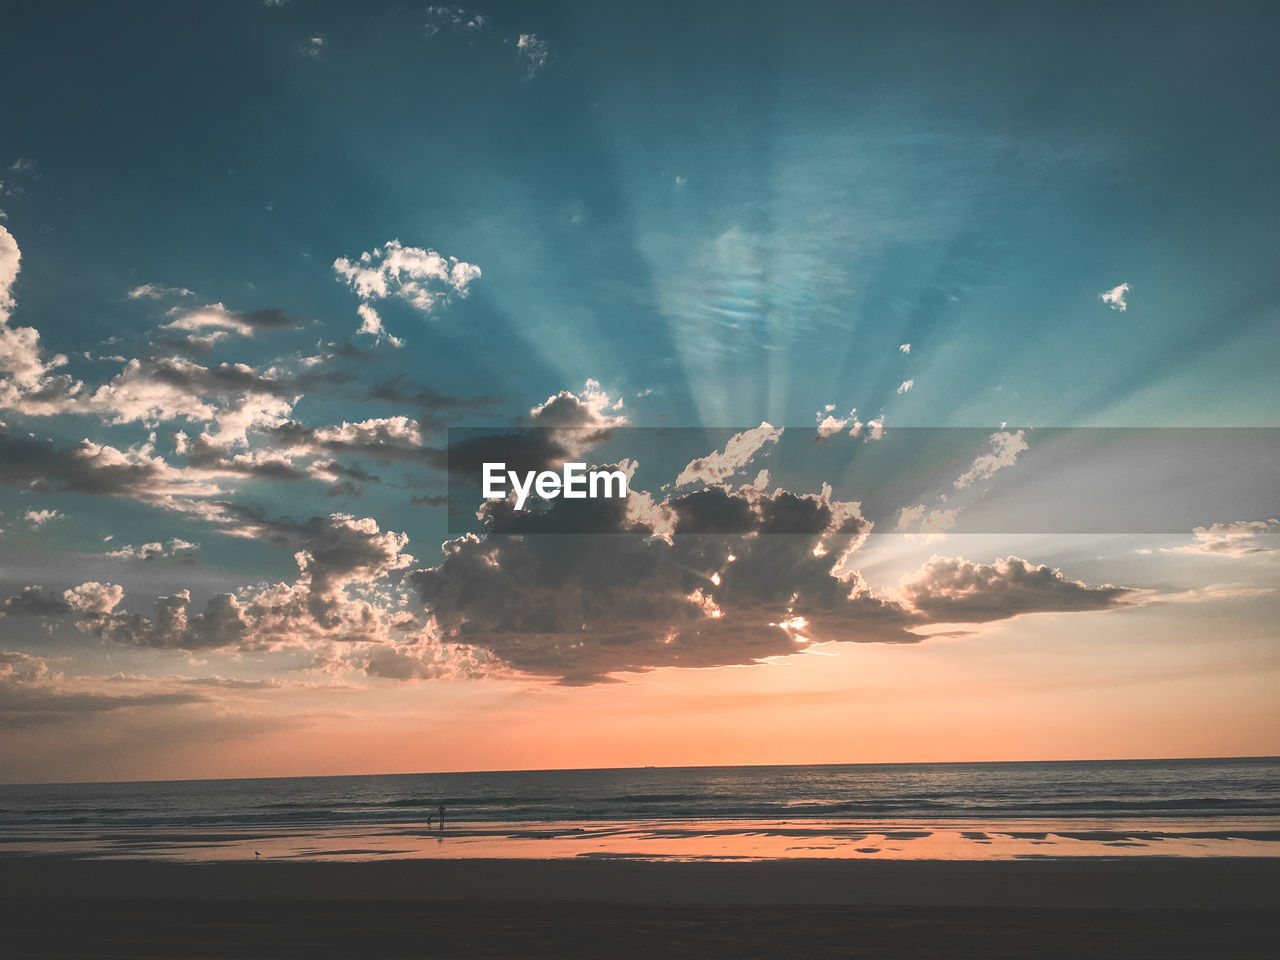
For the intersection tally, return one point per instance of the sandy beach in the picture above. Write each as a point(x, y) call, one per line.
point(1153, 907)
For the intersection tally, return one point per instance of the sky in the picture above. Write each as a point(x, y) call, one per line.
point(938, 342)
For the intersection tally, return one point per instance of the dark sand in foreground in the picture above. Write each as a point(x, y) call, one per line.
point(1152, 907)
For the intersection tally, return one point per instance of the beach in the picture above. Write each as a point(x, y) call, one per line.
point(1095, 907)
point(1139, 859)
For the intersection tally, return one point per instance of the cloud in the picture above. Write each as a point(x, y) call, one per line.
point(829, 425)
point(93, 599)
point(563, 428)
point(1115, 297)
point(422, 278)
point(533, 52)
point(19, 667)
point(1002, 451)
point(382, 439)
point(740, 450)
point(579, 607)
point(172, 388)
point(95, 469)
point(38, 518)
point(904, 347)
point(433, 407)
point(455, 19)
point(910, 516)
point(313, 46)
point(31, 693)
point(336, 597)
point(905, 386)
point(955, 590)
point(34, 602)
point(10, 263)
point(196, 345)
point(1241, 538)
point(149, 391)
point(712, 576)
point(579, 421)
point(371, 325)
point(215, 316)
point(931, 522)
point(152, 291)
point(175, 548)
point(24, 369)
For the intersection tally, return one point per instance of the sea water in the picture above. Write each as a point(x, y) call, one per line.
point(949, 810)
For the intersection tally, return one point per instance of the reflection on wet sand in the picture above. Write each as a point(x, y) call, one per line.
point(678, 840)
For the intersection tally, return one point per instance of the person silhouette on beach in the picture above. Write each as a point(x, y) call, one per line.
point(440, 813)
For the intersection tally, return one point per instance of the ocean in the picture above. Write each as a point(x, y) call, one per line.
point(1226, 806)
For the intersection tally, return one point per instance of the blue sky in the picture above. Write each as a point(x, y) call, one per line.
point(667, 215)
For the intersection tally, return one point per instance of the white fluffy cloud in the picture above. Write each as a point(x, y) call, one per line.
point(930, 522)
point(24, 368)
point(829, 424)
point(38, 518)
point(421, 277)
point(1115, 297)
point(1241, 538)
point(94, 599)
point(216, 316)
point(10, 263)
point(154, 291)
point(371, 325)
point(176, 547)
point(1002, 451)
point(740, 450)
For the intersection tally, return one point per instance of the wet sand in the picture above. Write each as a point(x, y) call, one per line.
point(1149, 907)
point(907, 839)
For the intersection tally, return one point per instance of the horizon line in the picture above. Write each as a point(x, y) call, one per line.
point(691, 766)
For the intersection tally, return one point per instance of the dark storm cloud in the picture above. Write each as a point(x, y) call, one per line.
point(579, 607)
point(34, 602)
point(718, 576)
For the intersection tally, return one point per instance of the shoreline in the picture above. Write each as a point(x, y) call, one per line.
point(665, 839)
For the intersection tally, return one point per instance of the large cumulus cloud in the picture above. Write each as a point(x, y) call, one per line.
point(618, 597)
point(722, 574)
